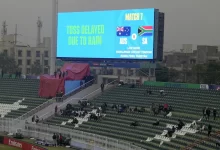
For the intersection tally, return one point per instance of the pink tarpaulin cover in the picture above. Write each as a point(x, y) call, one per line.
point(76, 71)
point(49, 86)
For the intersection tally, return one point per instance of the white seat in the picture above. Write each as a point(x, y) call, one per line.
point(161, 143)
point(164, 132)
point(70, 121)
point(63, 123)
point(149, 139)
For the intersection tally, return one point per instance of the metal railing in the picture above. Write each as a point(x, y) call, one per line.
point(87, 97)
point(49, 102)
point(77, 89)
point(9, 124)
point(44, 131)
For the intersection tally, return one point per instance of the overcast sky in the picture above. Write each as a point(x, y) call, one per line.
point(187, 21)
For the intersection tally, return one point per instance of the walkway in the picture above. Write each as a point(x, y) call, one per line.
point(73, 100)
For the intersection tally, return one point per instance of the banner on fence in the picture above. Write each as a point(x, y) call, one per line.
point(204, 86)
point(172, 84)
point(214, 87)
point(20, 144)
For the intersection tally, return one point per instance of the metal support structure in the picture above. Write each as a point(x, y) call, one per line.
point(54, 36)
point(16, 34)
point(4, 30)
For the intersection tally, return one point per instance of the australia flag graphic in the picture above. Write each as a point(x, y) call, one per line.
point(123, 31)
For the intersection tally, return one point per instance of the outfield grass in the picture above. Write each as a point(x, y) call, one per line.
point(5, 147)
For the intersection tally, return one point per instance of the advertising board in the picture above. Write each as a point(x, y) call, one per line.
point(20, 144)
point(112, 34)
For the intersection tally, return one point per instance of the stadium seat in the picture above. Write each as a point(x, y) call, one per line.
point(187, 105)
point(18, 96)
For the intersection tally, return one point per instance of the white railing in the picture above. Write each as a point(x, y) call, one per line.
point(44, 131)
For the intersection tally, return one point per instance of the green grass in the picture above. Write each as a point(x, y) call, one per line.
point(5, 147)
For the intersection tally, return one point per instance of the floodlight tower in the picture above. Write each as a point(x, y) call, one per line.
point(4, 29)
point(39, 27)
point(54, 36)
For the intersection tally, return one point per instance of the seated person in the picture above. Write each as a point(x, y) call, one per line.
point(135, 109)
point(134, 124)
point(121, 83)
point(146, 92)
point(170, 108)
point(218, 141)
point(160, 107)
point(161, 92)
point(180, 124)
point(156, 123)
point(114, 106)
point(170, 132)
point(141, 110)
point(121, 109)
point(165, 107)
point(75, 121)
point(132, 86)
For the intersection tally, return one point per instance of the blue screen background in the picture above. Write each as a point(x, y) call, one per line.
point(110, 41)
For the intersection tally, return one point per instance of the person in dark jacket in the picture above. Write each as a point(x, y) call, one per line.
point(156, 123)
point(204, 112)
point(214, 113)
point(209, 130)
point(60, 74)
point(54, 137)
point(102, 87)
point(64, 74)
point(55, 74)
point(208, 113)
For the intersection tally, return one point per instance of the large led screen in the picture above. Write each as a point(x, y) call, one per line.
point(115, 34)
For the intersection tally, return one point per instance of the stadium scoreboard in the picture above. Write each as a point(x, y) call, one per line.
point(113, 34)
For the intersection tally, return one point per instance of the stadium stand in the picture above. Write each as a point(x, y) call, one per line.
point(18, 96)
point(187, 105)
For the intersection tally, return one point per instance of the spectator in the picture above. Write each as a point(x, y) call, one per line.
point(56, 109)
point(208, 113)
point(64, 74)
point(33, 118)
point(37, 119)
point(55, 74)
point(60, 140)
point(218, 142)
point(60, 74)
point(180, 124)
point(161, 92)
point(54, 137)
point(81, 83)
point(134, 124)
point(204, 112)
point(102, 87)
point(57, 96)
point(156, 123)
point(165, 107)
point(214, 113)
point(209, 130)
